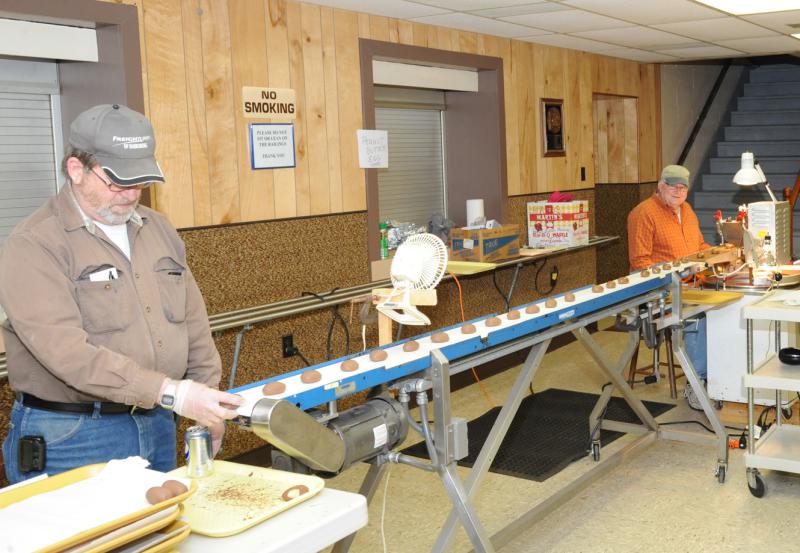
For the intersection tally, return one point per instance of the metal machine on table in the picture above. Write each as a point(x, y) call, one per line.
point(296, 412)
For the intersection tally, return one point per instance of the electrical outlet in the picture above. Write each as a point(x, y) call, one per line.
point(288, 346)
point(554, 275)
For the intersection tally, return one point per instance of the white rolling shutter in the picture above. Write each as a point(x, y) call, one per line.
point(27, 156)
point(413, 187)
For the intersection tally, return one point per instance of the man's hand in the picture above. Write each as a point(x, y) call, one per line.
point(205, 405)
point(217, 433)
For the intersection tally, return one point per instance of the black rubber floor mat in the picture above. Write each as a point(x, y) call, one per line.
point(549, 431)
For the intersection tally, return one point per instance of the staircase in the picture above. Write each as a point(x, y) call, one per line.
point(767, 123)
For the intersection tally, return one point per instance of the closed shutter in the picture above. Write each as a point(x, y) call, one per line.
point(413, 187)
point(27, 158)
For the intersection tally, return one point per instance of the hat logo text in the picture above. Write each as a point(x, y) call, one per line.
point(131, 142)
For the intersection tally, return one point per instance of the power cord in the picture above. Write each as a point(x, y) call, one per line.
point(336, 317)
point(553, 278)
point(593, 432)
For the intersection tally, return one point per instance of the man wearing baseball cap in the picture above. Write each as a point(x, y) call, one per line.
point(106, 332)
point(663, 228)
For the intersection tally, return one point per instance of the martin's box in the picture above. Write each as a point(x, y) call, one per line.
point(485, 245)
point(555, 224)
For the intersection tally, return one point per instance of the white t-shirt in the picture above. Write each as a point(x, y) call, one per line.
point(119, 235)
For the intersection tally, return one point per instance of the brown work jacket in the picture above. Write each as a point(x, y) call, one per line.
point(73, 338)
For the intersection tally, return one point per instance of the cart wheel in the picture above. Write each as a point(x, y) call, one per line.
point(760, 488)
point(719, 404)
point(721, 474)
point(595, 451)
point(787, 412)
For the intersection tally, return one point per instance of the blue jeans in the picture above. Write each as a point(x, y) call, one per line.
point(73, 440)
point(694, 337)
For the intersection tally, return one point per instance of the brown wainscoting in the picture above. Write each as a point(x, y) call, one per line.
point(613, 203)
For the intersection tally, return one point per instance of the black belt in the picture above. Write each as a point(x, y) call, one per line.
point(80, 408)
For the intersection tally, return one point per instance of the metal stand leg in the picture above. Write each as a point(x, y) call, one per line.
point(446, 467)
point(700, 391)
point(614, 373)
point(495, 438)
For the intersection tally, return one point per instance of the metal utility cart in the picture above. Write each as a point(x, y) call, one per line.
point(779, 447)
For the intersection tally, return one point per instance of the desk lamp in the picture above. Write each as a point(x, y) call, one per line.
point(751, 174)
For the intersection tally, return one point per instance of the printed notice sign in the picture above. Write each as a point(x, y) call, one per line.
point(268, 103)
point(373, 149)
point(271, 145)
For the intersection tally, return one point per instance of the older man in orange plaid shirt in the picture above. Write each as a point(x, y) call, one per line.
point(662, 228)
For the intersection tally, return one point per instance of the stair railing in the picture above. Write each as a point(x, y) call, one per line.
point(701, 117)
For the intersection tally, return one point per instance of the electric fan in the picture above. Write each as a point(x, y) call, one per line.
point(419, 264)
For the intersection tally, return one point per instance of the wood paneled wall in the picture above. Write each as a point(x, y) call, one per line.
point(616, 133)
point(197, 54)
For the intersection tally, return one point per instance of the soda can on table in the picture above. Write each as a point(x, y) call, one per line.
point(197, 451)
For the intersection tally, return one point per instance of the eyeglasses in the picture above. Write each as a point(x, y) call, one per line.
point(679, 187)
point(115, 187)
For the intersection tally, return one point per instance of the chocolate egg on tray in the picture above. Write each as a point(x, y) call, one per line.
point(378, 355)
point(411, 345)
point(273, 388)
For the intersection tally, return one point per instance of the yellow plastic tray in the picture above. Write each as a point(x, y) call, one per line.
point(707, 297)
point(168, 545)
point(469, 267)
point(125, 534)
point(169, 538)
point(71, 477)
point(236, 497)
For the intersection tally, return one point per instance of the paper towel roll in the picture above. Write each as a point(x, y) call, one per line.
point(475, 214)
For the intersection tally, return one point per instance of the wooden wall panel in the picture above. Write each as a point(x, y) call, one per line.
point(169, 108)
point(196, 112)
point(348, 74)
point(302, 187)
point(249, 57)
point(332, 109)
point(220, 119)
point(315, 110)
point(631, 133)
point(280, 77)
point(649, 123)
point(199, 53)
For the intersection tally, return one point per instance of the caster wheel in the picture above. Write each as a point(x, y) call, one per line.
point(721, 474)
point(595, 451)
point(719, 404)
point(760, 487)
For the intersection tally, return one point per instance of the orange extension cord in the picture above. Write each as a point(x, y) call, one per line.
point(486, 394)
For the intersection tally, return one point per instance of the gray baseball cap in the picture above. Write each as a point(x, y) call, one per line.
point(675, 174)
point(122, 142)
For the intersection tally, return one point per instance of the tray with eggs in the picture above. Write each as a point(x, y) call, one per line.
point(92, 509)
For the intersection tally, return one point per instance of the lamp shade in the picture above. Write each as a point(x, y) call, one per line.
point(749, 174)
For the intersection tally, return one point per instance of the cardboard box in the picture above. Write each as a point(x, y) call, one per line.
point(558, 224)
point(484, 245)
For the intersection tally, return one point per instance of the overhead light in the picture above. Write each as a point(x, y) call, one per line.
point(751, 174)
point(748, 7)
point(796, 35)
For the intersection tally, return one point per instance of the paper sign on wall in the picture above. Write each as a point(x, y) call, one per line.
point(268, 103)
point(373, 149)
point(271, 145)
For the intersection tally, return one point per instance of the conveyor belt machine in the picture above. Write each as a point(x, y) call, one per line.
point(289, 411)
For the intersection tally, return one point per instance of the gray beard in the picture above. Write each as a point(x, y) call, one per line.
point(111, 218)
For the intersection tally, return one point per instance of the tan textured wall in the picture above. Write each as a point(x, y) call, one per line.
point(197, 54)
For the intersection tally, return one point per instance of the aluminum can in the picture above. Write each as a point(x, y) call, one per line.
point(197, 451)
